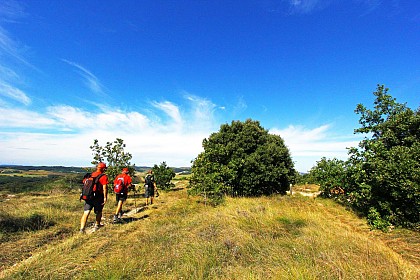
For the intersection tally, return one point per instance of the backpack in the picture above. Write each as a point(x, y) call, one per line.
point(89, 186)
point(119, 185)
point(148, 180)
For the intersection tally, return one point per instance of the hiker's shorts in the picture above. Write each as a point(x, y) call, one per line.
point(120, 197)
point(149, 191)
point(96, 204)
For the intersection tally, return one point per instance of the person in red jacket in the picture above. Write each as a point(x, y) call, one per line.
point(97, 203)
point(125, 180)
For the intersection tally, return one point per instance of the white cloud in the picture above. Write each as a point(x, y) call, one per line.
point(24, 119)
point(8, 74)
point(10, 49)
point(306, 6)
point(14, 93)
point(91, 81)
point(10, 11)
point(369, 5)
point(62, 134)
point(240, 106)
point(309, 145)
point(171, 110)
point(202, 113)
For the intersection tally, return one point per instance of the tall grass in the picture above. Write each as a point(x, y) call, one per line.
point(279, 237)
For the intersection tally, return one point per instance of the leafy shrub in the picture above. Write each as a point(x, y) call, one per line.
point(329, 174)
point(242, 159)
point(163, 176)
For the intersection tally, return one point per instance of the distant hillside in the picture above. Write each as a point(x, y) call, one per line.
point(62, 169)
point(72, 169)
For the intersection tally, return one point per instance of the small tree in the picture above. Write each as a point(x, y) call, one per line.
point(163, 176)
point(330, 175)
point(384, 170)
point(242, 159)
point(114, 156)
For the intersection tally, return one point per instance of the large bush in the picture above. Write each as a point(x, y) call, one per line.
point(242, 159)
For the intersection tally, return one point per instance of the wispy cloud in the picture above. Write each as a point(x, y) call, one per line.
point(171, 110)
point(306, 6)
point(311, 6)
point(369, 5)
point(21, 119)
point(11, 54)
point(14, 93)
point(240, 106)
point(10, 49)
point(10, 11)
point(90, 80)
point(8, 74)
point(68, 131)
point(307, 145)
point(202, 113)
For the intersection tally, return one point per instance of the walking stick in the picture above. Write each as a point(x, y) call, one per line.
point(135, 203)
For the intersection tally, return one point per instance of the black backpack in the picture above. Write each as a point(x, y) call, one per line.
point(149, 180)
point(89, 186)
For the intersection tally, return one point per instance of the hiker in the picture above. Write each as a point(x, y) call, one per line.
point(121, 184)
point(98, 201)
point(149, 187)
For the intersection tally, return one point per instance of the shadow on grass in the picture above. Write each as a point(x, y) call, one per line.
point(175, 189)
point(126, 220)
point(34, 222)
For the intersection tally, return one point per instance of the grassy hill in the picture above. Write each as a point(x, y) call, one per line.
point(179, 237)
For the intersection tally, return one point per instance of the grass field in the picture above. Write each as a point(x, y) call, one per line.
point(278, 237)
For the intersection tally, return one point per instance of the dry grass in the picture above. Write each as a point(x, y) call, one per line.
point(181, 238)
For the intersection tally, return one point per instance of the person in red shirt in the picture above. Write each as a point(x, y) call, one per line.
point(125, 179)
point(98, 202)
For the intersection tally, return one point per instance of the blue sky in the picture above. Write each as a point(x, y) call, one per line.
point(164, 75)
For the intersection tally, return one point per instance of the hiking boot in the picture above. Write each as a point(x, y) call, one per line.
point(115, 219)
point(82, 231)
point(95, 228)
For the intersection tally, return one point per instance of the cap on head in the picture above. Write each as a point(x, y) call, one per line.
point(125, 170)
point(101, 165)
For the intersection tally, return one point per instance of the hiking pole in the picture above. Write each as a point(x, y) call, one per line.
point(135, 203)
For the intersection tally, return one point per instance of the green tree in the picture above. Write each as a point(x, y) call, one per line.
point(383, 176)
point(163, 176)
point(329, 174)
point(114, 156)
point(242, 159)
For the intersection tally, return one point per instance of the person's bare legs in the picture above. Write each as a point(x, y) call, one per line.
point(83, 220)
point(119, 207)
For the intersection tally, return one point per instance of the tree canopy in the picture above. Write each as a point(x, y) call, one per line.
point(163, 176)
point(242, 159)
point(381, 178)
point(114, 155)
